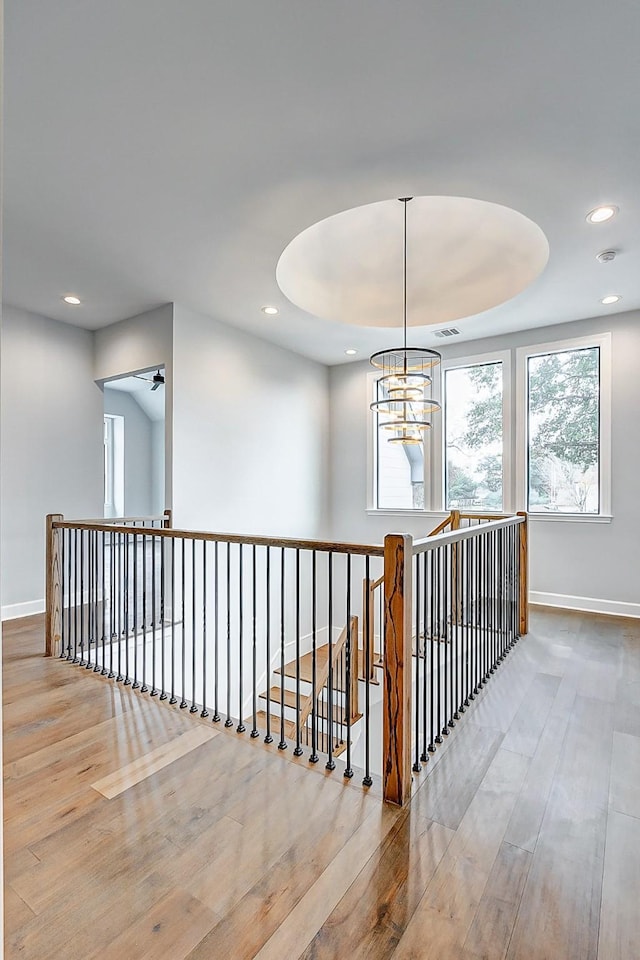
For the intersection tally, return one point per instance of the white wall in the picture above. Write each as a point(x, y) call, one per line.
point(157, 467)
point(137, 344)
point(51, 443)
point(249, 433)
point(575, 559)
point(138, 460)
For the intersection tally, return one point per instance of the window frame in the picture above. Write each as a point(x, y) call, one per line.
point(478, 360)
point(603, 342)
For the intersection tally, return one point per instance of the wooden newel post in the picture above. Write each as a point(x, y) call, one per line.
point(167, 519)
point(523, 593)
point(396, 722)
point(53, 587)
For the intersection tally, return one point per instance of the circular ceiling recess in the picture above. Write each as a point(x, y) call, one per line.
point(464, 256)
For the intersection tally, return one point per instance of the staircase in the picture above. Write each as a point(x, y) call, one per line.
point(335, 706)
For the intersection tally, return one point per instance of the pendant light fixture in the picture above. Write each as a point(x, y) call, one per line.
point(404, 387)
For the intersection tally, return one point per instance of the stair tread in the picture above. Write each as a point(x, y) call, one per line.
point(273, 695)
point(290, 733)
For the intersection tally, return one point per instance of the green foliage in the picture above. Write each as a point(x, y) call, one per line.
point(564, 406)
point(484, 418)
point(460, 484)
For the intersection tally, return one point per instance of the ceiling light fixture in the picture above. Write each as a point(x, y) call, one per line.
point(602, 214)
point(611, 299)
point(351, 352)
point(70, 298)
point(404, 385)
point(270, 311)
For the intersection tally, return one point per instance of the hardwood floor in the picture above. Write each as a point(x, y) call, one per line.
point(134, 831)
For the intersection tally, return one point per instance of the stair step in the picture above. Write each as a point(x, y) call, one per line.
point(306, 665)
point(290, 734)
point(289, 696)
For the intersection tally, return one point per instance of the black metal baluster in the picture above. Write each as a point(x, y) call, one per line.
point(330, 764)
point(193, 708)
point(283, 744)
point(136, 682)
point(228, 722)
point(268, 738)
point(173, 698)
point(314, 680)
point(447, 647)
point(89, 596)
point(457, 606)
point(465, 623)
point(241, 727)
point(424, 754)
point(103, 669)
point(127, 677)
point(216, 637)
point(64, 628)
point(82, 603)
point(120, 564)
point(254, 646)
point(144, 686)
point(163, 586)
point(145, 671)
point(183, 631)
point(348, 773)
point(112, 602)
point(442, 629)
point(367, 780)
point(417, 766)
point(204, 712)
point(298, 749)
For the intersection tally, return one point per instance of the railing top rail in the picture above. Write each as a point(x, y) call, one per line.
point(322, 546)
point(103, 521)
point(465, 533)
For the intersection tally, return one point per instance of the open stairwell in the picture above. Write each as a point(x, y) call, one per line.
point(319, 720)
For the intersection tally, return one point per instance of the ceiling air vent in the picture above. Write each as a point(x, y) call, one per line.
point(448, 332)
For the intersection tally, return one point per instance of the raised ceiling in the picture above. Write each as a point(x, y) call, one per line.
point(464, 256)
point(159, 151)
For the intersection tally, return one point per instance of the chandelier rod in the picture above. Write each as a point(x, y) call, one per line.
point(404, 200)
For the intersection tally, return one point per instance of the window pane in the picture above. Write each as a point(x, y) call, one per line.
point(473, 437)
point(564, 431)
point(399, 468)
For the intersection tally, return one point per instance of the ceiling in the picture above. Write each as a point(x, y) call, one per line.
point(166, 151)
point(150, 401)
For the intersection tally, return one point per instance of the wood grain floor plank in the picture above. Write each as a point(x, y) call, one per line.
point(559, 911)
point(493, 924)
point(624, 791)
point(145, 766)
point(619, 933)
point(529, 722)
point(373, 914)
point(447, 909)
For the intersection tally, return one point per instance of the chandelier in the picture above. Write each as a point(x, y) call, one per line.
point(404, 387)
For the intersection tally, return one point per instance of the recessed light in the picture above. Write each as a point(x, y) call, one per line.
point(611, 299)
point(70, 298)
point(602, 214)
point(351, 352)
point(271, 311)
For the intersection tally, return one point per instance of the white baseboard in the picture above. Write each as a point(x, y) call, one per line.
point(614, 608)
point(13, 611)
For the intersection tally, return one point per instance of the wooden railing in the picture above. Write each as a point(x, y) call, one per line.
point(198, 618)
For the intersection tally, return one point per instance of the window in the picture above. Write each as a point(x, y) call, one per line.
point(563, 431)
point(113, 465)
point(555, 462)
point(474, 436)
point(399, 467)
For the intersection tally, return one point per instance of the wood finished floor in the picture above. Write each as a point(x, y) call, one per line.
point(522, 841)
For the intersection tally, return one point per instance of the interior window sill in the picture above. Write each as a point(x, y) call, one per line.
point(572, 517)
